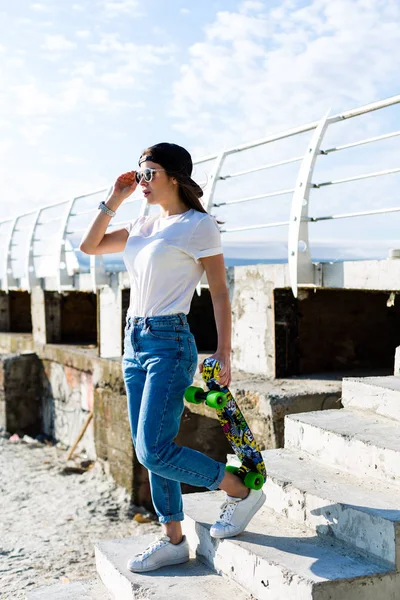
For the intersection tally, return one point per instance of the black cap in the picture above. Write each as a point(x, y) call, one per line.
point(175, 159)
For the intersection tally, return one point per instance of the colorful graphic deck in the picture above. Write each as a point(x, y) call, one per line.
point(234, 424)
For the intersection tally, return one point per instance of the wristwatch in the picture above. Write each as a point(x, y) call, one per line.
point(102, 206)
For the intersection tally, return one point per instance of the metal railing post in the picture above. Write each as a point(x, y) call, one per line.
point(30, 272)
point(62, 272)
point(9, 279)
point(209, 196)
point(299, 255)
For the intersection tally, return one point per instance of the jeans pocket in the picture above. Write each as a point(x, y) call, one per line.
point(162, 333)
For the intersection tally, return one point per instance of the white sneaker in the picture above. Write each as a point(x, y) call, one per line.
point(160, 553)
point(236, 514)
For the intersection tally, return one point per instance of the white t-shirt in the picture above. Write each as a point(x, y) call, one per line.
point(162, 258)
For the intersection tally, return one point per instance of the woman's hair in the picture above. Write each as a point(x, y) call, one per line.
point(189, 192)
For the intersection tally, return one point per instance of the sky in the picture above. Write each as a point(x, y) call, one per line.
point(86, 86)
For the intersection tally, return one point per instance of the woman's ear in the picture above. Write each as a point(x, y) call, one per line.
point(174, 181)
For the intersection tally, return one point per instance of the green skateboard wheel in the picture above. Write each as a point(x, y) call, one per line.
point(232, 469)
point(195, 395)
point(216, 400)
point(254, 481)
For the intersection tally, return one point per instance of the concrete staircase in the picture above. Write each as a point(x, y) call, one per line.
point(193, 579)
point(330, 528)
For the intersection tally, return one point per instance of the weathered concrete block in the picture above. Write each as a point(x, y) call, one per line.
point(68, 397)
point(46, 316)
point(112, 436)
point(11, 343)
point(335, 505)
point(397, 362)
point(20, 394)
point(363, 444)
point(181, 582)
point(253, 326)
point(380, 395)
point(276, 559)
point(365, 275)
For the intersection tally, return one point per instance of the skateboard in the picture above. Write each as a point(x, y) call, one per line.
point(237, 432)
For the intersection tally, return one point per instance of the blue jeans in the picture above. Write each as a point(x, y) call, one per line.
point(159, 362)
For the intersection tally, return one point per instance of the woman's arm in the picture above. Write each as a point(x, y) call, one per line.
point(96, 240)
point(215, 270)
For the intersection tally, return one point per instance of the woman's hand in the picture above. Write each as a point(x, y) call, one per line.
point(124, 186)
point(224, 359)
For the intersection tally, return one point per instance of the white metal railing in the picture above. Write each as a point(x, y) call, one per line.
point(25, 260)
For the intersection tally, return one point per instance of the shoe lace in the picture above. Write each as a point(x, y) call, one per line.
point(158, 543)
point(227, 509)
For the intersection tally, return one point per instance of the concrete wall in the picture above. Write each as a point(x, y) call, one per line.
point(253, 330)
point(58, 385)
point(21, 401)
point(67, 395)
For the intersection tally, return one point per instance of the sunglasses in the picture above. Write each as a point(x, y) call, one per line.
point(146, 174)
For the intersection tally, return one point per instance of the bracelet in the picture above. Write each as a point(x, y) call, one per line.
point(102, 206)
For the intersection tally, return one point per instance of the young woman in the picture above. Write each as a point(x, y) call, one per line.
point(166, 256)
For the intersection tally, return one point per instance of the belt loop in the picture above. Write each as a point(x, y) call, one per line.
point(182, 320)
point(146, 324)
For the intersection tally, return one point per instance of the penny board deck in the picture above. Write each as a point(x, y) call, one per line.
point(233, 423)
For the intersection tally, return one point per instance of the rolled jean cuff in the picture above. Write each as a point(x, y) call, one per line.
point(178, 517)
point(219, 478)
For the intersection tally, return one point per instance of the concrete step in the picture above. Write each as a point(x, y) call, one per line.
point(181, 582)
point(77, 590)
point(335, 504)
point(361, 443)
point(380, 395)
point(279, 560)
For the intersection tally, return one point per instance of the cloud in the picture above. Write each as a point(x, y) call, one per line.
point(33, 104)
point(117, 7)
point(256, 73)
point(39, 7)
point(251, 6)
point(57, 43)
point(33, 132)
point(128, 65)
point(275, 67)
point(14, 62)
point(184, 11)
point(139, 56)
point(83, 34)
